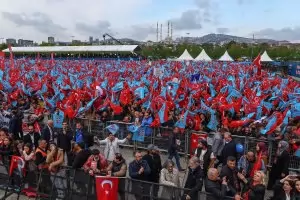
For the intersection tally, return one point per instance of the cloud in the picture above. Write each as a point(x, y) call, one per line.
point(96, 29)
point(287, 33)
point(223, 30)
point(39, 21)
point(189, 20)
point(141, 32)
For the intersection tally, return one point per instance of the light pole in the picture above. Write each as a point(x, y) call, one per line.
point(1, 40)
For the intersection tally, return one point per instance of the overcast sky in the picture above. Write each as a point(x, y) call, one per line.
point(136, 19)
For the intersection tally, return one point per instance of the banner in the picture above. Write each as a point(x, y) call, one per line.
point(195, 138)
point(58, 119)
point(17, 165)
point(107, 188)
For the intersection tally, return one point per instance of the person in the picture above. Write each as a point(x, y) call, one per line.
point(80, 156)
point(248, 163)
point(280, 167)
point(254, 188)
point(218, 145)
point(155, 167)
point(174, 144)
point(30, 166)
point(194, 181)
point(40, 161)
point(139, 170)
point(229, 148)
point(112, 145)
point(48, 133)
point(64, 139)
point(169, 177)
point(262, 151)
point(118, 168)
point(283, 190)
point(230, 172)
point(55, 159)
point(41, 153)
point(95, 164)
point(216, 190)
point(32, 137)
point(6, 151)
point(297, 189)
point(146, 122)
point(205, 155)
point(15, 125)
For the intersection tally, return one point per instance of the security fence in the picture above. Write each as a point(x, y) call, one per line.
point(75, 184)
point(160, 137)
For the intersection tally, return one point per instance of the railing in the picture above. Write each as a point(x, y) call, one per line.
point(160, 138)
point(75, 184)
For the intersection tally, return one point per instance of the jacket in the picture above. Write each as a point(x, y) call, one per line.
point(194, 182)
point(64, 140)
point(101, 164)
point(134, 168)
point(229, 150)
point(111, 147)
point(216, 190)
point(173, 147)
point(146, 125)
point(169, 180)
point(217, 144)
point(46, 134)
point(27, 139)
point(256, 192)
point(233, 181)
point(244, 164)
point(206, 159)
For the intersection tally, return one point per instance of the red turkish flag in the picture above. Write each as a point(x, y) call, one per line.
point(257, 63)
point(107, 188)
point(16, 163)
point(195, 138)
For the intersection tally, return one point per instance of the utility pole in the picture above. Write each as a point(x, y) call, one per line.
point(252, 47)
point(161, 37)
point(157, 32)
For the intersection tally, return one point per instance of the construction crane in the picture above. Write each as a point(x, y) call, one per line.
point(106, 34)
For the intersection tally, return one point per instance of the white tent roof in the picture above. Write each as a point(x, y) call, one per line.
point(103, 48)
point(226, 57)
point(185, 56)
point(203, 56)
point(265, 57)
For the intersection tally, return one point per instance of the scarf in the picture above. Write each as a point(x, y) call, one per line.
point(257, 165)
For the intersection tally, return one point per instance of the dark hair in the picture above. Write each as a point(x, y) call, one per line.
point(29, 146)
point(119, 156)
point(231, 158)
point(95, 152)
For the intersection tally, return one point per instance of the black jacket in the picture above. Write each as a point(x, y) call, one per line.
point(232, 179)
point(194, 182)
point(229, 150)
point(173, 147)
point(64, 140)
point(15, 127)
point(216, 190)
point(134, 168)
point(27, 139)
point(256, 192)
point(80, 158)
point(46, 134)
point(206, 159)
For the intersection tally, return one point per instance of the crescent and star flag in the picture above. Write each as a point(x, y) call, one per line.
point(107, 188)
point(257, 63)
point(195, 138)
point(17, 163)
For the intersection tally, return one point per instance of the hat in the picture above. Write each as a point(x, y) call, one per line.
point(150, 147)
point(203, 142)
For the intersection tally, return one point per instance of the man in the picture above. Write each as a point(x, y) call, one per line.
point(118, 168)
point(32, 137)
point(80, 156)
point(112, 145)
point(218, 144)
point(194, 180)
point(205, 155)
point(139, 170)
point(174, 144)
point(15, 126)
point(48, 133)
point(155, 166)
point(230, 172)
point(41, 152)
point(229, 148)
point(247, 162)
point(216, 190)
point(64, 139)
point(80, 136)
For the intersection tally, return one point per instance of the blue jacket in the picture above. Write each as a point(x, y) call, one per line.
point(146, 124)
point(78, 136)
point(134, 168)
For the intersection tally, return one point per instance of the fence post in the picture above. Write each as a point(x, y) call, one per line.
point(270, 149)
point(246, 145)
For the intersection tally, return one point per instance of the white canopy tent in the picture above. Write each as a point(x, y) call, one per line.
point(226, 57)
point(265, 57)
point(203, 56)
point(185, 56)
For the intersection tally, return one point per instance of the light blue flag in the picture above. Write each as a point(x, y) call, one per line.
point(113, 128)
point(58, 119)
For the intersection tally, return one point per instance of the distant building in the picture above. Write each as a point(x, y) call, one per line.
point(51, 40)
point(11, 41)
point(25, 43)
point(97, 41)
point(91, 39)
point(76, 42)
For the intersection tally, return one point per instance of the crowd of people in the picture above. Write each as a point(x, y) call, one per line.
point(223, 99)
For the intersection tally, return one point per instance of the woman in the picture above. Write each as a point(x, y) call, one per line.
point(6, 151)
point(297, 190)
point(280, 167)
point(169, 177)
point(283, 190)
point(28, 156)
point(262, 151)
point(254, 189)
